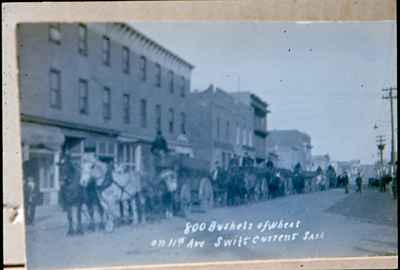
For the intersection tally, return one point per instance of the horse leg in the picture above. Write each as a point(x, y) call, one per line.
point(70, 221)
point(101, 213)
point(90, 208)
point(79, 219)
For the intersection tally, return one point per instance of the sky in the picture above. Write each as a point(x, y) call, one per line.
point(324, 79)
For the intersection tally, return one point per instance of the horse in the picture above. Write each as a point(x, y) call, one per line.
point(250, 184)
point(130, 200)
point(235, 186)
point(274, 186)
point(221, 188)
point(74, 196)
point(168, 185)
point(111, 187)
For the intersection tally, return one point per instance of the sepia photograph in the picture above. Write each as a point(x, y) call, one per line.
point(151, 143)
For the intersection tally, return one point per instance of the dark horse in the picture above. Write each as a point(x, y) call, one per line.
point(236, 186)
point(74, 196)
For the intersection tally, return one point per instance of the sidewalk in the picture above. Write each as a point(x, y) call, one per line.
point(369, 206)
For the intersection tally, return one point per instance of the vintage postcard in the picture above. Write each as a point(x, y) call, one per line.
point(153, 143)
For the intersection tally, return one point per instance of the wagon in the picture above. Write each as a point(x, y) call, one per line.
point(194, 184)
point(193, 187)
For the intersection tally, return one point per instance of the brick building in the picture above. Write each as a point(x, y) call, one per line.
point(289, 147)
point(260, 112)
point(103, 86)
point(220, 126)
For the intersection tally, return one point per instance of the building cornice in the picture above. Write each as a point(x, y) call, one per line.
point(128, 36)
point(68, 125)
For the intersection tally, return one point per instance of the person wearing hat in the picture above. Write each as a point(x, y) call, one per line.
point(358, 182)
point(346, 182)
point(159, 149)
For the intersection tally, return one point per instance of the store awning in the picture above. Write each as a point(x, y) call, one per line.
point(50, 137)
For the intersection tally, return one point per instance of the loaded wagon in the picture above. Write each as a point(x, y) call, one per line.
point(177, 183)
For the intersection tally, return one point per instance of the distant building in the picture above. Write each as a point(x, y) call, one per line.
point(368, 171)
point(289, 148)
point(100, 86)
point(220, 126)
point(351, 167)
point(260, 113)
point(322, 161)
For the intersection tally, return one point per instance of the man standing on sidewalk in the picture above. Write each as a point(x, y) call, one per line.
point(359, 182)
point(346, 182)
point(30, 200)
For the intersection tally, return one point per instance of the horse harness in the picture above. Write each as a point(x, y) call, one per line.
point(109, 181)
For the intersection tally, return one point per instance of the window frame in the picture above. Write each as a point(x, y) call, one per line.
point(171, 85)
point(158, 114)
point(171, 121)
point(106, 50)
point(183, 119)
point(83, 50)
point(126, 108)
point(143, 113)
point(85, 98)
point(57, 90)
point(158, 75)
point(126, 63)
point(143, 68)
point(107, 106)
point(56, 27)
point(183, 86)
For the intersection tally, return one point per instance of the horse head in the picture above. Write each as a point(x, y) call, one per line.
point(92, 169)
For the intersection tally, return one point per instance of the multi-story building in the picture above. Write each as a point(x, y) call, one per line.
point(260, 112)
point(220, 126)
point(289, 147)
point(104, 86)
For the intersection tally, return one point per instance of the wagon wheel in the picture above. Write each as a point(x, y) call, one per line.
point(206, 194)
point(186, 199)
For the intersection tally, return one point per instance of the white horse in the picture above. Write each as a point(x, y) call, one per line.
point(112, 186)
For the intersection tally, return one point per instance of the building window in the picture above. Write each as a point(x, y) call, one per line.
point(158, 75)
point(183, 123)
point(237, 134)
point(158, 117)
point(126, 108)
point(83, 96)
point(142, 66)
point(143, 113)
point(171, 120)
point(55, 33)
point(106, 103)
point(183, 87)
point(218, 127)
point(83, 47)
point(106, 51)
point(125, 60)
point(227, 131)
point(171, 81)
point(55, 89)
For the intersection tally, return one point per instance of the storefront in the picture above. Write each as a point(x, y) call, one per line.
point(41, 153)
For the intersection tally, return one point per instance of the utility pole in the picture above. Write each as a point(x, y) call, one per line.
point(381, 146)
point(390, 97)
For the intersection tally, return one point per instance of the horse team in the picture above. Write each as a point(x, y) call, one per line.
point(118, 194)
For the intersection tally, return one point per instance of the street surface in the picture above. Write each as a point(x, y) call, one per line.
point(342, 225)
